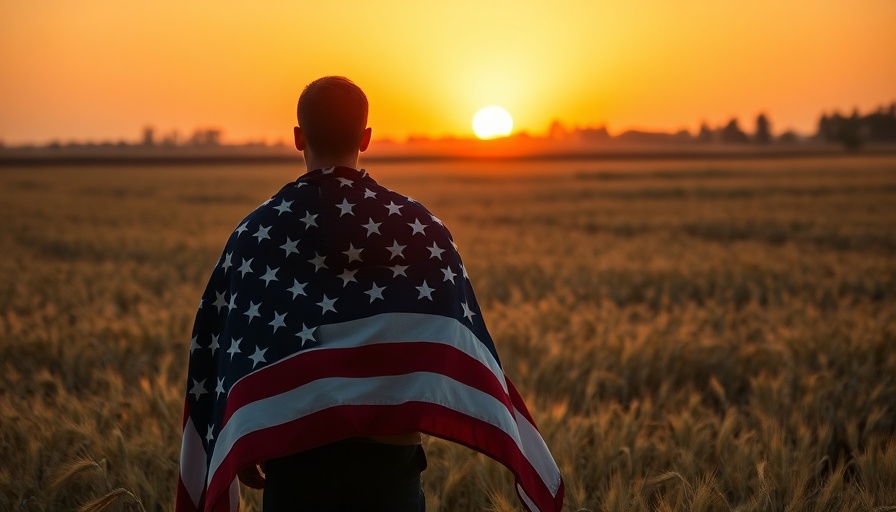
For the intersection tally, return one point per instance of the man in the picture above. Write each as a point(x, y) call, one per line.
point(338, 325)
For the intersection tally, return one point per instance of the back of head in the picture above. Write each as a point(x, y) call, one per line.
point(332, 113)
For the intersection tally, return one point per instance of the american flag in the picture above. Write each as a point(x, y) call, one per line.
point(340, 308)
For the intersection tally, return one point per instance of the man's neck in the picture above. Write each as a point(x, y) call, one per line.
point(312, 162)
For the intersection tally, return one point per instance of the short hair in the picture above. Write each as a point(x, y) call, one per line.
point(332, 113)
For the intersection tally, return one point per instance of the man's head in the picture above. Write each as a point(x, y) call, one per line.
point(332, 114)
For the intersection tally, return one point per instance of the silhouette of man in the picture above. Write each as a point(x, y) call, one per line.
point(358, 473)
point(338, 325)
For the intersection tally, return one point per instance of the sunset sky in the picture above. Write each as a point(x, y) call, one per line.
point(104, 69)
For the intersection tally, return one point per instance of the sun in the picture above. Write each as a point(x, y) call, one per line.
point(492, 122)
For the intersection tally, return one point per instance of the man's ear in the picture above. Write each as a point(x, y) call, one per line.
point(365, 139)
point(300, 138)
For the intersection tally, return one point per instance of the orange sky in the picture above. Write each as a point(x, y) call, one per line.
point(102, 69)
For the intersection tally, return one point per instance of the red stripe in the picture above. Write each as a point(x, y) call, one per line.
point(340, 422)
point(366, 361)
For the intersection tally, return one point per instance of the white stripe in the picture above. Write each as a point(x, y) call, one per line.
point(192, 462)
point(404, 327)
point(538, 454)
point(388, 390)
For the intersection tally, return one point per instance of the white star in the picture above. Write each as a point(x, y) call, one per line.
point(262, 233)
point(214, 345)
point(436, 220)
point(219, 388)
point(394, 208)
point(258, 356)
point(345, 207)
point(309, 220)
point(449, 275)
point(435, 251)
point(208, 435)
point(220, 302)
point(297, 288)
point(252, 312)
point(344, 182)
point(278, 322)
point(372, 227)
point(468, 313)
point(398, 270)
point(352, 253)
point(270, 275)
point(198, 388)
point(425, 291)
point(463, 270)
point(396, 249)
point(194, 344)
point(307, 333)
point(318, 262)
point(232, 304)
point(418, 227)
point(375, 292)
point(347, 275)
point(246, 267)
point(369, 193)
point(234, 347)
point(290, 247)
point(239, 230)
point(327, 304)
point(226, 263)
point(328, 170)
point(284, 207)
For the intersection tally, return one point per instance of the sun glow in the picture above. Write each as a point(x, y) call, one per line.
point(492, 122)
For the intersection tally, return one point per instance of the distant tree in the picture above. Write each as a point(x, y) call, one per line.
point(763, 133)
point(706, 134)
point(789, 137)
point(850, 131)
point(732, 134)
point(148, 136)
point(881, 125)
point(557, 131)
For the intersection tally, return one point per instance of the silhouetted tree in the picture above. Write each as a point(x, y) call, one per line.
point(789, 137)
point(881, 125)
point(148, 136)
point(763, 130)
point(732, 133)
point(706, 134)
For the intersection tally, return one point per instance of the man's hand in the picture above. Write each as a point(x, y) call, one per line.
point(251, 476)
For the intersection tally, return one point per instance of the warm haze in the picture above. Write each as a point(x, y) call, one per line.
point(102, 69)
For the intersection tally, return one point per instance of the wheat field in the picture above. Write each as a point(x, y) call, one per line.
point(693, 335)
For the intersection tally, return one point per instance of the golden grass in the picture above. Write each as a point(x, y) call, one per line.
point(697, 336)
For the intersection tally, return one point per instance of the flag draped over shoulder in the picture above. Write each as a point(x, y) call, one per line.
point(338, 309)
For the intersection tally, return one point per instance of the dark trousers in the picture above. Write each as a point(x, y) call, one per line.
point(347, 476)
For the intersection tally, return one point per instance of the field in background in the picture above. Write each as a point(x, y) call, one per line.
point(689, 335)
